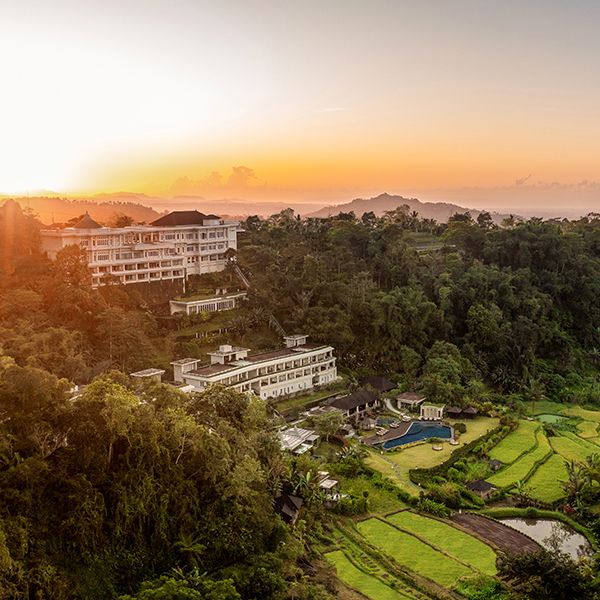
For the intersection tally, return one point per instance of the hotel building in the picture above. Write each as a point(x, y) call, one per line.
point(297, 367)
point(179, 244)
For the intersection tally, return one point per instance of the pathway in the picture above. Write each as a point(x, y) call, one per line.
point(389, 406)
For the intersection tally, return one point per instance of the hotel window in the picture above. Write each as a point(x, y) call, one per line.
point(190, 236)
point(103, 256)
point(213, 257)
point(190, 248)
point(102, 241)
point(211, 235)
point(169, 236)
point(84, 243)
point(153, 253)
point(202, 248)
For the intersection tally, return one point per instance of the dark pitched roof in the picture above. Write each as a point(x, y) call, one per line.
point(495, 463)
point(181, 217)
point(411, 396)
point(479, 486)
point(454, 410)
point(354, 400)
point(288, 506)
point(379, 383)
point(87, 223)
point(471, 410)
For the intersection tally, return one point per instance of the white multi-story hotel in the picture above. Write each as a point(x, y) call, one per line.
point(297, 367)
point(179, 244)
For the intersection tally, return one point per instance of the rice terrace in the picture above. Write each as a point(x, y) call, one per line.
point(414, 552)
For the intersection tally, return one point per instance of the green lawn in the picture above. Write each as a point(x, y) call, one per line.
point(519, 469)
point(545, 407)
point(545, 483)
point(572, 447)
point(453, 541)
point(519, 441)
point(413, 553)
point(381, 502)
point(367, 584)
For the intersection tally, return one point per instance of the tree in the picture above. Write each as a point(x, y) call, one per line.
point(71, 267)
point(329, 423)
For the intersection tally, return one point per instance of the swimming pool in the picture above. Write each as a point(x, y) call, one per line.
point(420, 431)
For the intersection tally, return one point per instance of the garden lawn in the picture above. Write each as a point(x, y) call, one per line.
point(381, 501)
point(521, 468)
point(572, 447)
point(516, 443)
point(588, 429)
point(545, 483)
point(423, 455)
point(399, 478)
point(367, 584)
point(413, 553)
point(453, 541)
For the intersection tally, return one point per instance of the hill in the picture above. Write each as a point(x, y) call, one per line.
point(440, 211)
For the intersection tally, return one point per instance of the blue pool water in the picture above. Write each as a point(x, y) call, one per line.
point(420, 431)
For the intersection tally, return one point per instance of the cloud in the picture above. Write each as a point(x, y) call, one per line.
point(522, 181)
point(241, 177)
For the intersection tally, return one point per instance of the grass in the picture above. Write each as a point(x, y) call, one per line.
point(300, 401)
point(545, 485)
point(522, 467)
point(542, 407)
point(367, 584)
point(453, 541)
point(572, 447)
point(413, 553)
point(516, 443)
point(381, 502)
point(385, 468)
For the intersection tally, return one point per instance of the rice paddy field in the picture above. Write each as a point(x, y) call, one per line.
point(572, 447)
point(451, 540)
point(515, 444)
point(367, 584)
point(519, 470)
point(412, 553)
point(545, 484)
point(588, 429)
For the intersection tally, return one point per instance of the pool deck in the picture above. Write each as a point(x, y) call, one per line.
point(392, 434)
point(398, 432)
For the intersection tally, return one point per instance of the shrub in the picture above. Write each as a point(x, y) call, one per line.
point(460, 427)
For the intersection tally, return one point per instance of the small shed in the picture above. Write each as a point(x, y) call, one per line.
point(288, 508)
point(469, 413)
point(482, 488)
point(454, 412)
point(368, 423)
point(495, 464)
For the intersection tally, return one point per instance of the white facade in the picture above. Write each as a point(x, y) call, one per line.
point(214, 304)
point(268, 375)
point(142, 253)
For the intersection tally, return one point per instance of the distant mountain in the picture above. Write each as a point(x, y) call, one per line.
point(60, 210)
point(440, 211)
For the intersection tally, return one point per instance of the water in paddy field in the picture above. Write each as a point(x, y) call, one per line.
point(418, 432)
point(552, 535)
point(552, 419)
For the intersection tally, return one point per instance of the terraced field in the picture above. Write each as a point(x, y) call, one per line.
point(367, 584)
point(588, 429)
point(570, 447)
point(457, 543)
point(519, 470)
point(414, 554)
point(516, 443)
point(545, 484)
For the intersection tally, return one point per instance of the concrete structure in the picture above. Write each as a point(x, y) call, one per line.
point(297, 440)
point(271, 374)
point(173, 247)
point(410, 400)
point(147, 373)
point(432, 411)
point(215, 303)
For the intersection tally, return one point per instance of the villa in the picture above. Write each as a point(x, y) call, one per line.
point(432, 411)
point(296, 368)
point(171, 248)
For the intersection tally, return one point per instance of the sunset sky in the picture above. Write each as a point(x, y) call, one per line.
point(317, 101)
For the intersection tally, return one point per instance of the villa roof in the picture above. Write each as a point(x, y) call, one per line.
point(479, 486)
point(182, 217)
point(454, 410)
point(495, 463)
point(379, 383)
point(471, 410)
point(87, 223)
point(411, 397)
point(354, 400)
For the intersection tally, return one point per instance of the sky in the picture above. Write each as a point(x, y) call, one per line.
point(320, 101)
